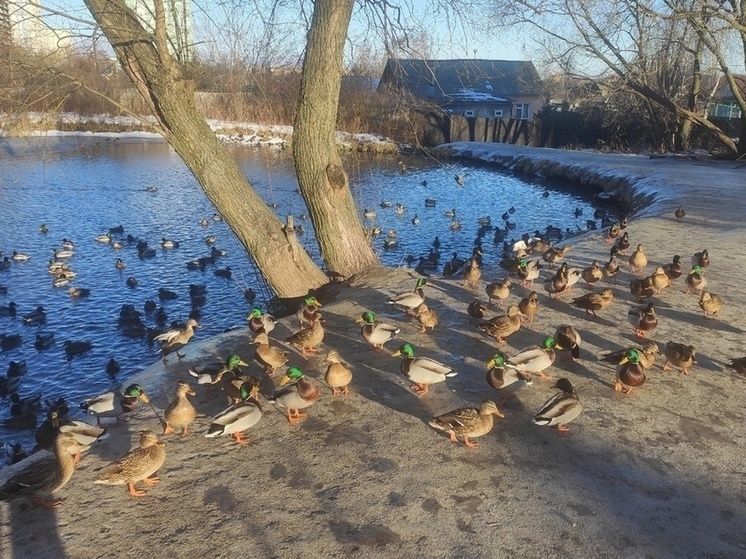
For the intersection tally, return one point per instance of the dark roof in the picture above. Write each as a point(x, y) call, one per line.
point(445, 81)
point(724, 91)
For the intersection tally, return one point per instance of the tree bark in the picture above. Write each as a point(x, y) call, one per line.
point(323, 182)
point(283, 262)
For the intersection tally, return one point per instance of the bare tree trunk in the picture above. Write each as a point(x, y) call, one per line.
point(286, 266)
point(322, 179)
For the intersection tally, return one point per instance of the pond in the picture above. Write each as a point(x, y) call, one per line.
point(80, 188)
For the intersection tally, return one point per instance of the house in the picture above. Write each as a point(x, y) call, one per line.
point(724, 104)
point(468, 99)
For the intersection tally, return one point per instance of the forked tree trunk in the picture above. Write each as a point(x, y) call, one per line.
point(323, 181)
point(144, 56)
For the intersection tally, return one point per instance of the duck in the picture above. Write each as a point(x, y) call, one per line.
point(500, 327)
point(35, 317)
point(630, 372)
point(430, 202)
point(21, 405)
point(20, 257)
point(78, 292)
point(386, 204)
point(14, 453)
point(309, 338)
point(592, 302)
point(390, 243)
point(56, 423)
point(696, 280)
point(307, 310)
point(239, 417)
point(453, 265)
point(535, 359)
point(74, 348)
point(738, 364)
point(411, 299)
point(427, 318)
point(611, 268)
point(10, 341)
point(613, 232)
point(701, 258)
point(218, 217)
point(623, 243)
point(9, 384)
point(369, 214)
point(43, 228)
point(415, 220)
point(338, 375)
point(44, 340)
point(5, 263)
point(271, 357)
point(9, 310)
point(113, 367)
point(455, 225)
point(679, 355)
point(555, 254)
point(557, 284)
point(115, 403)
point(646, 321)
point(476, 310)
point(169, 243)
point(119, 264)
point(180, 412)
point(60, 254)
point(529, 306)
point(659, 279)
point(225, 273)
point(638, 260)
point(499, 291)
point(173, 340)
point(710, 303)
point(260, 321)
point(468, 422)
point(499, 376)
point(560, 409)
point(299, 395)
point(680, 213)
point(472, 273)
point(400, 209)
point(422, 371)
point(645, 354)
point(460, 179)
point(139, 464)
point(105, 238)
point(211, 239)
point(592, 274)
point(45, 477)
point(673, 270)
point(450, 213)
point(642, 288)
point(569, 338)
point(212, 373)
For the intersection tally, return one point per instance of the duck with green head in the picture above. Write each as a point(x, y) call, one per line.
point(239, 417)
point(376, 333)
point(307, 310)
point(261, 321)
point(630, 373)
point(411, 299)
point(696, 280)
point(422, 371)
point(535, 359)
point(500, 377)
point(115, 403)
point(211, 373)
point(299, 395)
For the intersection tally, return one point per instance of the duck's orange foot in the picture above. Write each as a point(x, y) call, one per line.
point(135, 492)
point(239, 438)
point(152, 480)
point(563, 428)
point(470, 444)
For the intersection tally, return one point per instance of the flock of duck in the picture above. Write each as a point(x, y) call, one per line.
point(296, 392)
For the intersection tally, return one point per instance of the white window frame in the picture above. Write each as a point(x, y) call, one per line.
point(522, 111)
point(498, 113)
point(470, 113)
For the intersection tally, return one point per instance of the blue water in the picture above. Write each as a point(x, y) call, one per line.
point(81, 190)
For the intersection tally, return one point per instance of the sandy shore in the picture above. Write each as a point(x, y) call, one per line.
point(658, 474)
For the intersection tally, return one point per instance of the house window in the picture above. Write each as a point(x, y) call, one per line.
point(468, 113)
point(498, 113)
point(522, 110)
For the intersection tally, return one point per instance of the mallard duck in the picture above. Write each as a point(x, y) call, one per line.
point(139, 464)
point(115, 403)
point(309, 338)
point(211, 373)
point(450, 213)
point(476, 310)
point(307, 310)
point(261, 321)
point(56, 423)
point(569, 338)
point(535, 359)
point(119, 264)
point(499, 376)
point(411, 299)
point(701, 258)
point(45, 476)
point(555, 254)
point(680, 213)
point(642, 288)
point(239, 417)
point(738, 365)
point(660, 279)
point(646, 320)
point(9, 310)
point(271, 357)
point(180, 412)
point(613, 232)
point(592, 274)
point(679, 355)
point(646, 354)
point(560, 409)
point(35, 317)
point(638, 260)
point(472, 273)
point(468, 422)
point(400, 209)
point(43, 228)
point(78, 292)
point(376, 333)
point(10, 341)
point(14, 453)
point(422, 371)
point(500, 327)
point(25, 404)
point(105, 238)
point(453, 265)
point(59, 254)
point(622, 243)
point(499, 291)
point(696, 280)
point(174, 340)
point(338, 375)
point(20, 257)
point(630, 373)
point(528, 271)
point(673, 270)
point(710, 304)
point(427, 318)
point(557, 284)
point(169, 243)
point(593, 302)
point(611, 268)
point(297, 396)
point(529, 306)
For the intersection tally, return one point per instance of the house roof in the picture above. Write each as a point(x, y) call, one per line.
point(467, 80)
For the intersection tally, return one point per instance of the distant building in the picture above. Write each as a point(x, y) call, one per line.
point(22, 23)
point(724, 104)
point(179, 24)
